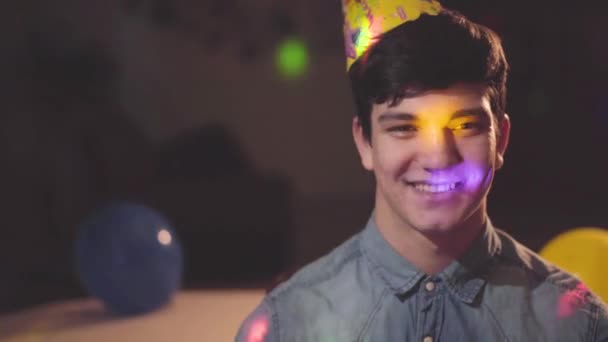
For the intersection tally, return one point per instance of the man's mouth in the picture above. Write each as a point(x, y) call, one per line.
point(435, 188)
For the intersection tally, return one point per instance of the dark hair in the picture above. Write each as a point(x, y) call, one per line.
point(433, 52)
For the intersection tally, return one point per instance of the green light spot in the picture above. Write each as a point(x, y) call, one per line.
point(292, 58)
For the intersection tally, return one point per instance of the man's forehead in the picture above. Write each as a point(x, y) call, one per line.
point(450, 101)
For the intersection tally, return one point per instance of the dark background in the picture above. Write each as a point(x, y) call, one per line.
point(178, 105)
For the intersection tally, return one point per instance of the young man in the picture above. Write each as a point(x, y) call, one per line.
point(429, 266)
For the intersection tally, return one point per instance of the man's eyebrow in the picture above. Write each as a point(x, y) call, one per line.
point(477, 111)
point(403, 116)
point(396, 116)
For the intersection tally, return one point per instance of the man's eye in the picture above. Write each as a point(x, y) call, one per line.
point(468, 125)
point(403, 129)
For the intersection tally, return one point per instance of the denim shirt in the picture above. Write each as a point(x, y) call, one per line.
point(364, 291)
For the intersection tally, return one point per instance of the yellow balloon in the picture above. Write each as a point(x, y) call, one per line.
point(584, 253)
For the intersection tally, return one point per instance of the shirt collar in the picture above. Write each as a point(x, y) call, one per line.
point(398, 273)
point(464, 277)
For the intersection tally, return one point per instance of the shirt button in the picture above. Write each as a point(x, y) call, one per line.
point(430, 286)
point(427, 339)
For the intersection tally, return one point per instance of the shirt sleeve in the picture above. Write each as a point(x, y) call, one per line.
point(259, 326)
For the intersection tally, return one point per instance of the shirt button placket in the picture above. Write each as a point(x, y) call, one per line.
point(432, 307)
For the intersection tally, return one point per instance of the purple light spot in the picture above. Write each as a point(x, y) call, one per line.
point(468, 173)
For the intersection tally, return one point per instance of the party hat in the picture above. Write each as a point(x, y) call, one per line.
point(366, 20)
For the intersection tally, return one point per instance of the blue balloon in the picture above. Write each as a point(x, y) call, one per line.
point(128, 256)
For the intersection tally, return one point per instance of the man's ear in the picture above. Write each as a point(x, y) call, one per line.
point(363, 145)
point(504, 131)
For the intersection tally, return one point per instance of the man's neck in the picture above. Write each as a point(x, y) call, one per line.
point(430, 253)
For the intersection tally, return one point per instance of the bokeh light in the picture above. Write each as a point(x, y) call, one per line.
point(572, 300)
point(258, 330)
point(164, 237)
point(292, 58)
point(471, 175)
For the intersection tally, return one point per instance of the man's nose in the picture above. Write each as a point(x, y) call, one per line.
point(438, 149)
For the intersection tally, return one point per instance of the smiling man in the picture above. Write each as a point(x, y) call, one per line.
point(430, 90)
point(433, 156)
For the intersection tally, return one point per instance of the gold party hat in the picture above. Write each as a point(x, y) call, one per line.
point(366, 20)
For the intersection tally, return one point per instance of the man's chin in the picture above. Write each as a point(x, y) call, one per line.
point(436, 225)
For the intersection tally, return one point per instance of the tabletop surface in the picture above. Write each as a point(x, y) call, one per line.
point(201, 315)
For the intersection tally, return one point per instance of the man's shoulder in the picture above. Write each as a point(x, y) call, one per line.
point(331, 267)
point(554, 296)
point(515, 259)
point(319, 300)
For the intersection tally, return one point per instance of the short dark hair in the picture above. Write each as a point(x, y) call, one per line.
point(433, 52)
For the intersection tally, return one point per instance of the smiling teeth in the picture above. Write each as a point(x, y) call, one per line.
point(435, 188)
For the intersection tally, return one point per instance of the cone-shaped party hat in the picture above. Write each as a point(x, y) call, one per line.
point(366, 20)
